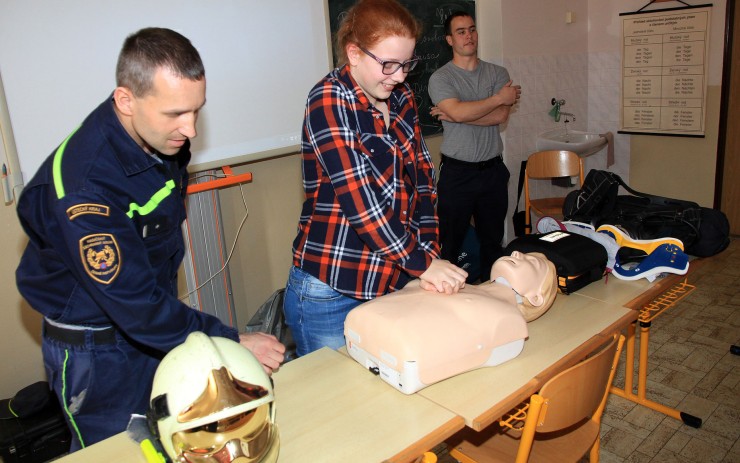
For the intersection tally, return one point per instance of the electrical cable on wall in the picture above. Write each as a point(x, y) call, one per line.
point(230, 253)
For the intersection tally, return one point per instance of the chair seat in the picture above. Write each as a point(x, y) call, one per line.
point(552, 207)
point(557, 447)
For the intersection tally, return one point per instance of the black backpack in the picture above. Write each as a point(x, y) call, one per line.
point(578, 259)
point(270, 319)
point(595, 199)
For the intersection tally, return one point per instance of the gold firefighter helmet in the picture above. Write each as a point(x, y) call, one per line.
point(212, 402)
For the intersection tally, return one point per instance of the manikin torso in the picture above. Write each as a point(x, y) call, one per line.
point(444, 335)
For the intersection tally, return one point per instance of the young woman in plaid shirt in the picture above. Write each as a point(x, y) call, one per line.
point(368, 224)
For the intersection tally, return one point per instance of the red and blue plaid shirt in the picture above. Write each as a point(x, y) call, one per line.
point(368, 223)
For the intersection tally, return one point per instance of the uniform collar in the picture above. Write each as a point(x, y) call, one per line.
point(130, 155)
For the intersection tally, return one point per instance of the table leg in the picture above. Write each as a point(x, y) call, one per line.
point(647, 314)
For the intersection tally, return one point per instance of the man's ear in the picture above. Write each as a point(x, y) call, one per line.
point(448, 38)
point(123, 98)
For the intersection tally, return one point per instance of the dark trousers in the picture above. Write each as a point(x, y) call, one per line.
point(98, 384)
point(478, 191)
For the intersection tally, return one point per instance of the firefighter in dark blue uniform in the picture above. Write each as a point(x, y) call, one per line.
point(103, 215)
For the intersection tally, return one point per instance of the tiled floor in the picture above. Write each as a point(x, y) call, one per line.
point(690, 368)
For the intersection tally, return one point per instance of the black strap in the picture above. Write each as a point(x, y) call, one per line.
point(654, 199)
point(521, 185)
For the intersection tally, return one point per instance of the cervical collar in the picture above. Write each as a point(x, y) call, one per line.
point(647, 246)
point(666, 258)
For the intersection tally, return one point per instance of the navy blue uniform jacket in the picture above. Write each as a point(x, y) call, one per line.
point(105, 242)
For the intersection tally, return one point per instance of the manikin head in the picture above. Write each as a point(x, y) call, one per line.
point(532, 276)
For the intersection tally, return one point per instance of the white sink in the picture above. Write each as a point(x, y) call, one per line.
point(582, 143)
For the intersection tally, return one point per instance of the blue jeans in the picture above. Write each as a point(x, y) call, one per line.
point(315, 312)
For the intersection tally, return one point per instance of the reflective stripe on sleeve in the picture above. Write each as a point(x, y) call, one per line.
point(57, 167)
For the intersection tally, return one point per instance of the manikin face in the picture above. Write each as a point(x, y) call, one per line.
point(464, 38)
point(524, 272)
point(165, 118)
point(369, 73)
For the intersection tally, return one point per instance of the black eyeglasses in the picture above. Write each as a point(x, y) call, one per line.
point(391, 67)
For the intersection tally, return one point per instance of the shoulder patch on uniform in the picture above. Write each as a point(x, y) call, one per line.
point(101, 257)
point(87, 208)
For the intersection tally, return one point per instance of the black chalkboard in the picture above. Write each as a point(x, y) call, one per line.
point(431, 47)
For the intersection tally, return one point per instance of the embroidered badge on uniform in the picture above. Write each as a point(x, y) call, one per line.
point(82, 209)
point(101, 257)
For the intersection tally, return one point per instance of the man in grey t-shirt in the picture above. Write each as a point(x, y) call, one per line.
point(471, 98)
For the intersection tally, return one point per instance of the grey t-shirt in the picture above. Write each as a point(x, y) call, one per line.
point(462, 141)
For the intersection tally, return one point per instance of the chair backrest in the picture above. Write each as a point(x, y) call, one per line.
point(580, 391)
point(549, 165)
point(552, 164)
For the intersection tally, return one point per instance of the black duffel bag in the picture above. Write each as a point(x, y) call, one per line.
point(644, 219)
point(714, 234)
point(32, 426)
point(703, 231)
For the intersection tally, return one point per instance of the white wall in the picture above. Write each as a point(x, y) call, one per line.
point(541, 51)
point(20, 326)
point(645, 160)
point(58, 63)
point(581, 63)
point(549, 58)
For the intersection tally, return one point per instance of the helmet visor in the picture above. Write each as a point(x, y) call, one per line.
point(245, 437)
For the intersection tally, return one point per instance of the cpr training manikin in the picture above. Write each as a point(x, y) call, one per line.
point(413, 338)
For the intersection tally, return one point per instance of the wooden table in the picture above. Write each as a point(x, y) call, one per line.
point(572, 328)
point(331, 409)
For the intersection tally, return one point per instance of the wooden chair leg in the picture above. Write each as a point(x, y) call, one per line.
point(530, 425)
point(593, 456)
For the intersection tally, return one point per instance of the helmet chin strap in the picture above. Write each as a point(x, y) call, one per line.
point(505, 282)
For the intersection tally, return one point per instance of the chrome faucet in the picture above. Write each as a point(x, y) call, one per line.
point(555, 111)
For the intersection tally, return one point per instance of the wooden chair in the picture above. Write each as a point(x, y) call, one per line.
point(559, 424)
point(547, 165)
